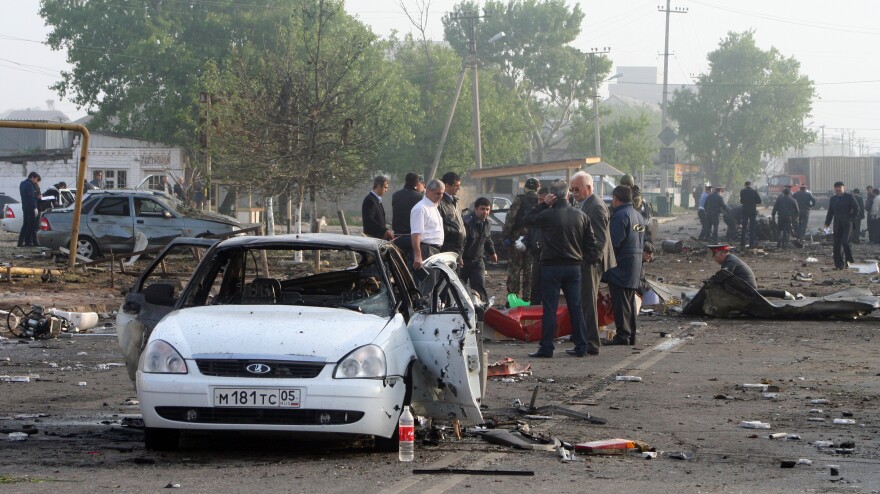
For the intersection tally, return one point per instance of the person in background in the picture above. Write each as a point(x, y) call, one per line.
point(373, 213)
point(568, 242)
point(198, 194)
point(426, 224)
point(97, 181)
point(519, 264)
point(627, 231)
point(750, 200)
point(402, 202)
point(715, 205)
point(478, 243)
point(732, 264)
point(805, 201)
point(453, 224)
point(29, 191)
point(842, 210)
point(596, 210)
point(180, 190)
point(534, 247)
point(874, 218)
point(52, 198)
point(857, 221)
point(787, 209)
point(704, 217)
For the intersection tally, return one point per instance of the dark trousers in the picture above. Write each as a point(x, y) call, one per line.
point(842, 233)
point(427, 251)
point(589, 295)
point(474, 272)
point(404, 243)
point(874, 230)
point(712, 234)
point(857, 232)
point(803, 220)
point(704, 224)
point(623, 303)
point(750, 222)
point(783, 231)
point(568, 279)
point(535, 298)
point(27, 237)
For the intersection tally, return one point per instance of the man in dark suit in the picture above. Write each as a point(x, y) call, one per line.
point(843, 209)
point(453, 224)
point(373, 212)
point(594, 207)
point(627, 233)
point(28, 188)
point(402, 203)
point(750, 199)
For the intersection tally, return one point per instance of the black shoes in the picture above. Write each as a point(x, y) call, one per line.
point(616, 341)
point(573, 352)
point(541, 354)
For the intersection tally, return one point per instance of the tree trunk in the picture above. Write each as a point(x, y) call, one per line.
point(270, 215)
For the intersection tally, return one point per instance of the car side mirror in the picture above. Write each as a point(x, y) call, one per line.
point(167, 215)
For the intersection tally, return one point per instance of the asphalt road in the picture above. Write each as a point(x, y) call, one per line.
point(690, 401)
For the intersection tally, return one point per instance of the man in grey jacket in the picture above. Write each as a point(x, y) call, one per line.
point(595, 209)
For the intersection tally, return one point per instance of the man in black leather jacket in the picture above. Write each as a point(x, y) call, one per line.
point(568, 242)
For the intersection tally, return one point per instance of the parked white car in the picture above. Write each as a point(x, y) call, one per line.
point(12, 218)
point(314, 333)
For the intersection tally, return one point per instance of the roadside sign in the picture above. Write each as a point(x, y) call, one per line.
point(667, 136)
point(667, 156)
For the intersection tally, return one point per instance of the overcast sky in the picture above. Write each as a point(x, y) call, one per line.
point(836, 43)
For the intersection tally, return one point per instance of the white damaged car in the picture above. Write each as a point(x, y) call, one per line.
point(313, 333)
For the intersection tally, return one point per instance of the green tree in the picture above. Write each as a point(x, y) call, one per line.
point(138, 66)
point(551, 79)
point(627, 143)
point(314, 118)
point(752, 103)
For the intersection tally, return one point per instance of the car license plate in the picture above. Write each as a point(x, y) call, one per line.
point(258, 397)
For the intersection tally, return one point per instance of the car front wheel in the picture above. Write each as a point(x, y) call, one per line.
point(161, 439)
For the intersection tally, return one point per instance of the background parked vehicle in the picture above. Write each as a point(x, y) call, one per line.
point(12, 218)
point(111, 220)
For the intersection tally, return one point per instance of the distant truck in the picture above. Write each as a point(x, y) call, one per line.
point(819, 174)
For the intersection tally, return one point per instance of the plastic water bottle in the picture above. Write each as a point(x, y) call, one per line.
point(407, 432)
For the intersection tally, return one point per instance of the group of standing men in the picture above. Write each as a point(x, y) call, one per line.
point(575, 246)
point(572, 246)
point(427, 219)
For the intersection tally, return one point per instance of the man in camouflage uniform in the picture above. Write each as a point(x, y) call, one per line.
point(519, 264)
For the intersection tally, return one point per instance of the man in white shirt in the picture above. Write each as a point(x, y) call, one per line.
point(426, 225)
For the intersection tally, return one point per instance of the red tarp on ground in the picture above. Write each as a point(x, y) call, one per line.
point(524, 323)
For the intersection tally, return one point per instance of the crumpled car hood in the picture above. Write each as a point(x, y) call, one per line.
point(263, 329)
point(725, 295)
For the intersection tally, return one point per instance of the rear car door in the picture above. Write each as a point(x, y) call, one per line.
point(111, 224)
point(446, 377)
point(155, 293)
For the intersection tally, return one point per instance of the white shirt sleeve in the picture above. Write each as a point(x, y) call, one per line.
point(418, 220)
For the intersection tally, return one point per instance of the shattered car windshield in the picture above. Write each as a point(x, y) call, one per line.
point(348, 279)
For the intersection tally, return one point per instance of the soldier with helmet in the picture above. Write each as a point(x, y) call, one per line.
point(519, 262)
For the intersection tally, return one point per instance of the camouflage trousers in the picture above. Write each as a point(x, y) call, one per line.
point(519, 273)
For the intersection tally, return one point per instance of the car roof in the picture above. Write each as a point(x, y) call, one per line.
point(325, 240)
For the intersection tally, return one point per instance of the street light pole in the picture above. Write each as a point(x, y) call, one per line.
point(596, 127)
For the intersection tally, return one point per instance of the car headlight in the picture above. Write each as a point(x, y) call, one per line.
point(161, 358)
point(365, 362)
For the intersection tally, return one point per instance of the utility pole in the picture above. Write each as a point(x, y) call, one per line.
point(596, 127)
point(475, 92)
point(205, 98)
point(668, 10)
point(823, 141)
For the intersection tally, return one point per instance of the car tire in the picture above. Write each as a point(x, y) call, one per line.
point(161, 439)
point(87, 248)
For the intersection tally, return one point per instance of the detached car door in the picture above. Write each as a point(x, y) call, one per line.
point(446, 377)
point(154, 295)
point(111, 224)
